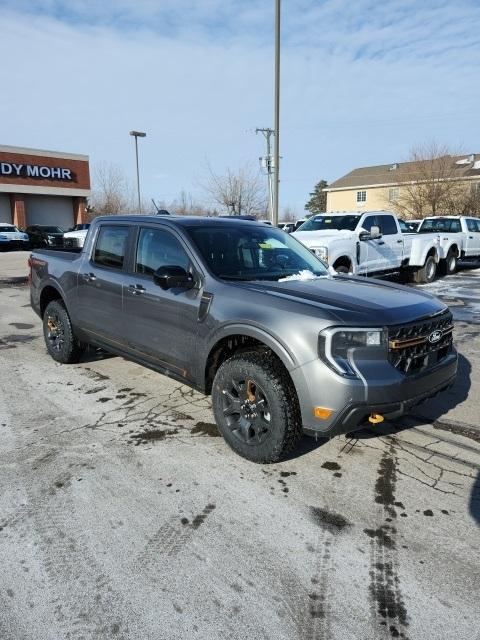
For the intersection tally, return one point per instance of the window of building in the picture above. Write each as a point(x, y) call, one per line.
point(394, 194)
point(110, 246)
point(361, 197)
point(159, 248)
point(387, 225)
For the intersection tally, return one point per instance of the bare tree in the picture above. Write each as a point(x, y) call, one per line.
point(288, 214)
point(112, 192)
point(428, 183)
point(237, 192)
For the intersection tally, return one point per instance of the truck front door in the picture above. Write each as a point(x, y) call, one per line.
point(392, 247)
point(161, 325)
point(369, 252)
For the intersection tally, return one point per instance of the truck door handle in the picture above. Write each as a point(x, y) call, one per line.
point(89, 277)
point(470, 237)
point(136, 289)
point(399, 241)
point(380, 242)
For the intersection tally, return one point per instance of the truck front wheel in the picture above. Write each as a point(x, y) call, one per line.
point(427, 272)
point(58, 333)
point(256, 407)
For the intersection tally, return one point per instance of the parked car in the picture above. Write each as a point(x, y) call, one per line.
point(76, 236)
point(41, 235)
point(12, 238)
point(459, 238)
point(246, 313)
point(370, 243)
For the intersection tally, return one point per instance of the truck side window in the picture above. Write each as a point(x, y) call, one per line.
point(158, 248)
point(472, 225)
point(369, 222)
point(110, 246)
point(387, 225)
point(456, 226)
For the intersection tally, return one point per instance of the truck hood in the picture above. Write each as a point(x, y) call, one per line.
point(353, 299)
point(322, 238)
point(81, 233)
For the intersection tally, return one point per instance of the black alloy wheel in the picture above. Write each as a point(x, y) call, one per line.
point(246, 410)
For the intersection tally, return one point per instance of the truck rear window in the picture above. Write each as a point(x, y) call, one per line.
point(110, 246)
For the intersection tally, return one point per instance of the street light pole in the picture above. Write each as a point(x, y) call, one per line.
point(136, 135)
point(276, 150)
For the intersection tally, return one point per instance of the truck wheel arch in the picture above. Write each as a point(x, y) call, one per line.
point(343, 261)
point(49, 293)
point(244, 339)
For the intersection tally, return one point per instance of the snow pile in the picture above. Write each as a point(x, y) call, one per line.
point(301, 275)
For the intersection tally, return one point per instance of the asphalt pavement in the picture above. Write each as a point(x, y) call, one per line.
point(123, 514)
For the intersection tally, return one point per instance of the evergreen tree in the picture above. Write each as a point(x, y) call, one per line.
point(318, 199)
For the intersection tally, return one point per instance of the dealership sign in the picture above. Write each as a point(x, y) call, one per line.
point(38, 172)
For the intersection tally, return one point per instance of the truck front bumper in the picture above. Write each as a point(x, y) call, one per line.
point(382, 391)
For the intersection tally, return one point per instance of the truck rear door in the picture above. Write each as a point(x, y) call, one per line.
point(472, 240)
point(99, 300)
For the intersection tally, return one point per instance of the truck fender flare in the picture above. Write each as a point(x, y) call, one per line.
point(53, 284)
point(259, 334)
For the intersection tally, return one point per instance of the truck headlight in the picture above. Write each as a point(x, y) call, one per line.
point(321, 252)
point(335, 346)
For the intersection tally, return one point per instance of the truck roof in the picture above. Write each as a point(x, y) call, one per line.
point(182, 221)
point(333, 214)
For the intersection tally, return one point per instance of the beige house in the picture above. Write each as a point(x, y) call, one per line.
point(383, 186)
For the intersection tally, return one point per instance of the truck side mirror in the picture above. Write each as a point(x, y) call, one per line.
point(171, 277)
point(375, 232)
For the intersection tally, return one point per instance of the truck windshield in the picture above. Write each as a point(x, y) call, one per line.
point(325, 223)
point(440, 225)
point(252, 252)
point(7, 229)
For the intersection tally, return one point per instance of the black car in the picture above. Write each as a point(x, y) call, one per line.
point(41, 235)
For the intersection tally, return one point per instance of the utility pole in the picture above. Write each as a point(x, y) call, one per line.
point(267, 163)
point(276, 152)
point(136, 135)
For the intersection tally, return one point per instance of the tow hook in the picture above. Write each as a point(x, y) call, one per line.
point(375, 418)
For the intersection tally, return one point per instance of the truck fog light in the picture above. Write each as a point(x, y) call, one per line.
point(322, 413)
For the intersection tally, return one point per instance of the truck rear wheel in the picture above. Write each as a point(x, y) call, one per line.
point(427, 272)
point(58, 333)
point(256, 407)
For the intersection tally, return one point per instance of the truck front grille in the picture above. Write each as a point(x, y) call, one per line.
point(418, 346)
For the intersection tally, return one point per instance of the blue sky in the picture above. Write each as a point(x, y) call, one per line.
point(362, 82)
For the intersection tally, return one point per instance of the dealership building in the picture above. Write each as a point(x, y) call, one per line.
point(43, 187)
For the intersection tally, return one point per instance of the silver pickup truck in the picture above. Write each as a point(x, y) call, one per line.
point(244, 312)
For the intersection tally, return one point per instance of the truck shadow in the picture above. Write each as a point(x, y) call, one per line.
point(432, 410)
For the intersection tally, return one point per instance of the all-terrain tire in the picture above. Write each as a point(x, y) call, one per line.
point(449, 266)
point(58, 333)
point(427, 273)
point(343, 269)
point(280, 425)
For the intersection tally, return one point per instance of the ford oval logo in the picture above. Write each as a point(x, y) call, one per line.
point(434, 336)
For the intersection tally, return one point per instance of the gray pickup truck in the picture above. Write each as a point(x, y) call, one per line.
point(244, 312)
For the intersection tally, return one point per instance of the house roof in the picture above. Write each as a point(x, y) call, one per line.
point(467, 166)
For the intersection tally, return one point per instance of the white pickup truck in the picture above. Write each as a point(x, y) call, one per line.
point(371, 243)
point(459, 237)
